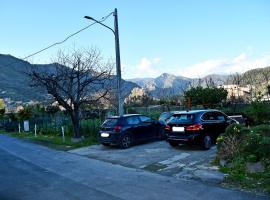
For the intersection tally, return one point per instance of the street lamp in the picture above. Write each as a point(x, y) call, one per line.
point(120, 109)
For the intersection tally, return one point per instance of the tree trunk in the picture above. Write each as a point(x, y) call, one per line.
point(76, 123)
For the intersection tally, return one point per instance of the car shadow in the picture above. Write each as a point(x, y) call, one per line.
point(191, 147)
point(136, 144)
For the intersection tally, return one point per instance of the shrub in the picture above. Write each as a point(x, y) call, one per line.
point(230, 144)
point(263, 130)
point(49, 130)
point(259, 112)
point(257, 144)
point(90, 127)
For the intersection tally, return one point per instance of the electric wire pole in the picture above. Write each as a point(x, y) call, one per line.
point(120, 103)
point(118, 64)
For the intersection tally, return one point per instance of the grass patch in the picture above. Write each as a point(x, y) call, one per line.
point(258, 182)
point(53, 141)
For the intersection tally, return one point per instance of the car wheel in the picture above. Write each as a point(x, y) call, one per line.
point(207, 142)
point(106, 144)
point(125, 141)
point(173, 143)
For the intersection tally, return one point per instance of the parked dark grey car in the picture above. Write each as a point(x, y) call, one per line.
point(128, 129)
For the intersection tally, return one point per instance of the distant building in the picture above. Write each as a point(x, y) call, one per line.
point(236, 91)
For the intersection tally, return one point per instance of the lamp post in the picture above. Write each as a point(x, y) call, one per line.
point(120, 109)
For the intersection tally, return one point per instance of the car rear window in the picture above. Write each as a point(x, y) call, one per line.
point(110, 122)
point(182, 118)
point(165, 116)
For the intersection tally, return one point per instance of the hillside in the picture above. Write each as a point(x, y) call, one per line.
point(169, 85)
point(15, 84)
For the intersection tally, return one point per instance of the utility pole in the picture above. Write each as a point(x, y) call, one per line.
point(120, 106)
point(118, 64)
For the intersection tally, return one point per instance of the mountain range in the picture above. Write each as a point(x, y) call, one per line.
point(15, 83)
point(170, 85)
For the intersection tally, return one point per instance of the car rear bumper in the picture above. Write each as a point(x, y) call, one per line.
point(113, 138)
point(184, 138)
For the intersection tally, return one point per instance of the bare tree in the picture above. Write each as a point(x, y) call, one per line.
point(77, 78)
point(251, 80)
point(209, 82)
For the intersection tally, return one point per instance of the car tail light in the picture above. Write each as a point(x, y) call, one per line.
point(117, 129)
point(195, 127)
point(168, 128)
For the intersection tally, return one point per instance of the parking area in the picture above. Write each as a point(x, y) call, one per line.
point(184, 161)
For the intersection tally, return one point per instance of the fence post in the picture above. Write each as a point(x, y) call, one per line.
point(35, 130)
point(63, 133)
point(19, 128)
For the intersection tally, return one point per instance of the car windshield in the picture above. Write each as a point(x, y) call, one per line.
point(182, 118)
point(110, 122)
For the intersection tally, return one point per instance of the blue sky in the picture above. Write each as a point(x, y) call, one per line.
point(183, 37)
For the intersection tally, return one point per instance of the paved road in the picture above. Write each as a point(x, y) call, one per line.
point(20, 179)
point(184, 161)
point(30, 171)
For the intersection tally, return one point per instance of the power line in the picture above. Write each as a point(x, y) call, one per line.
point(61, 42)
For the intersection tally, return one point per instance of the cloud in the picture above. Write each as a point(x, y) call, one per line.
point(156, 60)
point(146, 67)
point(240, 58)
point(239, 63)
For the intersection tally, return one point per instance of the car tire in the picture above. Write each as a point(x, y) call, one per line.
point(206, 142)
point(106, 144)
point(126, 141)
point(173, 143)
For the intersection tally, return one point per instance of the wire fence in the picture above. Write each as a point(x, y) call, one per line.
point(50, 125)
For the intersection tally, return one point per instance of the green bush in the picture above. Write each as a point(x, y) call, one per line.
point(253, 144)
point(259, 112)
point(90, 127)
point(230, 144)
point(257, 144)
point(49, 130)
point(262, 129)
point(240, 146)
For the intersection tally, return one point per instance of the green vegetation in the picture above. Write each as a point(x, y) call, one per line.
point(49, 129)
point(54, 141)
point(245, 155)
point(259, 112)
point(207, 97)
point(25, 113)
point(152, 114)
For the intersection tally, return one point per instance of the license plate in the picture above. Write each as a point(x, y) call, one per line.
point(178, 129)
point(104, 134)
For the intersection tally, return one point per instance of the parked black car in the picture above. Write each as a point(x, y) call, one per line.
point(197, 126)
point(128, 129)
